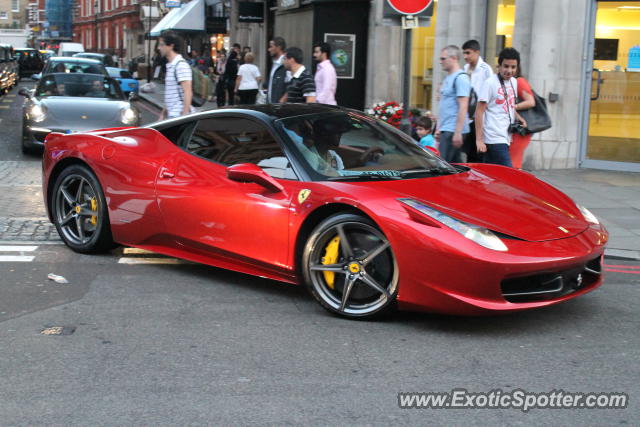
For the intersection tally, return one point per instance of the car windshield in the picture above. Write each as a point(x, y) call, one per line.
point(353, 146)
point(78, 85)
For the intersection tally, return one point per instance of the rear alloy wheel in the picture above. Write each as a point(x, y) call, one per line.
point(80, 212)
point(349, 267)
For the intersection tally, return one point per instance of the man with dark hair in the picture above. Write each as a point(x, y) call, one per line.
point(479, 71)
point(326, 78)
point(177, 86)
point(301, 88)
point(495, 112)
point(276, 84)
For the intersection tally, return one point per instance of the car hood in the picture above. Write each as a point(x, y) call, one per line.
point(528, 209)
point(82, 114)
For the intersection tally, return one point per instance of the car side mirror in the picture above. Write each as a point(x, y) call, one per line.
point(35, 77)
point(24, 92)
point(133, 97)
point(248, 172)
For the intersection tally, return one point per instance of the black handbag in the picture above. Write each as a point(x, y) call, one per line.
point(537, 117)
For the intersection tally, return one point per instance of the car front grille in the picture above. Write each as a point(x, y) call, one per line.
point(551, 285)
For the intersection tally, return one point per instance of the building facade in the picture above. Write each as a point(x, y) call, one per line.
point(13, 14)
point(117, 27)
point(583, 56)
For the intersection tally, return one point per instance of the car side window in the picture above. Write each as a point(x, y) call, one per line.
point(178, 134)
point(234, 140)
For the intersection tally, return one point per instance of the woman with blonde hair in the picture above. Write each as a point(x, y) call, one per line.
point(248, 80)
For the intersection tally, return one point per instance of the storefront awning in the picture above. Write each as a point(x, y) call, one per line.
point(189, 17)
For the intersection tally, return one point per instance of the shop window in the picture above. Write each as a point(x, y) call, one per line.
point(422, 66)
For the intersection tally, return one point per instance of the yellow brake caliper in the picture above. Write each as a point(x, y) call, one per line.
point(331, 257)
point(94, 208)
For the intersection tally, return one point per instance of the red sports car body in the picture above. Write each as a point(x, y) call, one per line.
point(164, 192)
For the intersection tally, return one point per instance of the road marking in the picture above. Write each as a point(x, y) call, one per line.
point(633, 267)
point(7, 101)
point(4, 107)
point(139, 260)
point(18, 248)
point(16, 258)
point(136, 251)
point(613, 270)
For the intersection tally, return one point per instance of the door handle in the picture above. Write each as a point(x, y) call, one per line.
point(598, 82)
point(166, 174)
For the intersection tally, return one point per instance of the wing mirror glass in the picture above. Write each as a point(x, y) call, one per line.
point(24, 92)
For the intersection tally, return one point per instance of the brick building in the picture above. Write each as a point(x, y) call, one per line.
point(116, 27)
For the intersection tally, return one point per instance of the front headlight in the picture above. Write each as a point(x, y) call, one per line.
point(128, 116)
point(37, 113)
point(588, 216)
point(480, 235)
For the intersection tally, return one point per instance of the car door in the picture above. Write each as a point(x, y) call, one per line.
point(208, 212)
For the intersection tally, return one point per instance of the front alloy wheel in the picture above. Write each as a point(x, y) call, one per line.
point(350, 268)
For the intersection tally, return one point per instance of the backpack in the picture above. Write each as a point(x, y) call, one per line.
point(200, 85)
point(473, 98)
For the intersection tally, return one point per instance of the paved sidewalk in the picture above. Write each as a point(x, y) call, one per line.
point(156, 98)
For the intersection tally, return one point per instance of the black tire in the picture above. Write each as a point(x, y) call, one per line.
point(76, 192)
point(365, 267)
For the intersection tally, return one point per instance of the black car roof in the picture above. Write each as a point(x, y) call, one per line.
point(283, 111)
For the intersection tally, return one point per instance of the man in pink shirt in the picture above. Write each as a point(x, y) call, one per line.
point(325, 78)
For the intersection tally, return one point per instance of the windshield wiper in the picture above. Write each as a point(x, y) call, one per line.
point(428, 171)
point(365, 176)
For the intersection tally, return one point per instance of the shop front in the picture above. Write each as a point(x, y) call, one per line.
point(611, 110)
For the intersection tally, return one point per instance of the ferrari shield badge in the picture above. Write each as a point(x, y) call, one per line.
point(302, 195)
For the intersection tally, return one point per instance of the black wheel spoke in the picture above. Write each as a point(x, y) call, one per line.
point(79, 191)
point(347, 252)
point(374, 253)
point(66, 219)
point(70, 200)
point(348, 286)
point(80, 228)
point(336, 268)
point(370, 281)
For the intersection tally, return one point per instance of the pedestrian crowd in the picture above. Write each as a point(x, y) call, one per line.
point(478, 120)
point(479, 112)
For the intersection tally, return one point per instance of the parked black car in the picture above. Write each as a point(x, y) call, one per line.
point(8, 68)
point(29, 60)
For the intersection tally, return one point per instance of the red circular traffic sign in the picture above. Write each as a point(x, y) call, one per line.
point(410, 7)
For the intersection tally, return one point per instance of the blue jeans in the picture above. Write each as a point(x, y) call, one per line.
point(497, 154)
point(448, 152)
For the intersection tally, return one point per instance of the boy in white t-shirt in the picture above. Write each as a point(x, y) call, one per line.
point(496, 112)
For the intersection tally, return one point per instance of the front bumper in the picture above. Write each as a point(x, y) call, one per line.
point(461, 277)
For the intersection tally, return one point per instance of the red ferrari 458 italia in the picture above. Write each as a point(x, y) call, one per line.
point(330, 198)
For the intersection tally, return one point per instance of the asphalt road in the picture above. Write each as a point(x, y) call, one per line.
point(149, 340)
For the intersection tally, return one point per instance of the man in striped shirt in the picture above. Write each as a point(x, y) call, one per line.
point(177, 83)
point(301, 88)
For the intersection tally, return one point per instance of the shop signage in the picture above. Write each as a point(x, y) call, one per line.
point(288, 4)
point(409, 7)
point(250, 12)
point(172, 3)
point(343, 53)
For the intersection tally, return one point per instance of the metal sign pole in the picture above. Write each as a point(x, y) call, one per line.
point(405, 123)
